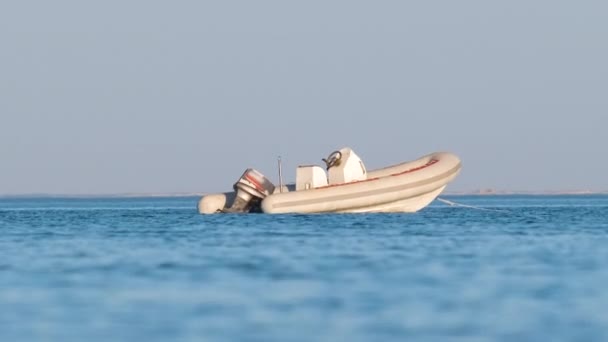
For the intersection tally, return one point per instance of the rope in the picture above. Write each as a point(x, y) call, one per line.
point(452, 203)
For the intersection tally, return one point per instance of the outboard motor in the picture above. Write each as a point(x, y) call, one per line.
point(250, 190)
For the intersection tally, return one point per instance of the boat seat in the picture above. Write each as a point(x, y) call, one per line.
point(310, 177)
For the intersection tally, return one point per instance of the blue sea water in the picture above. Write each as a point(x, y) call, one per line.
point(533, 268)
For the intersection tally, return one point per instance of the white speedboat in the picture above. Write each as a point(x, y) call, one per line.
point(346, 187)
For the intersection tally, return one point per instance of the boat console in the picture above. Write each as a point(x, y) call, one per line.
point(345, 166)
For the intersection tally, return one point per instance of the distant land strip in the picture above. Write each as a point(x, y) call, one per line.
point(480, 192)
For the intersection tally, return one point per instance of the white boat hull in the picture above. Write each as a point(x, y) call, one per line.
point(408, 205)
point(406, 187)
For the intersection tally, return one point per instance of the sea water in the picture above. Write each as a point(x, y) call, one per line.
point(530, 268)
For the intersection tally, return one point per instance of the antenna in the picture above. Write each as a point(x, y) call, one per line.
point(280, 175)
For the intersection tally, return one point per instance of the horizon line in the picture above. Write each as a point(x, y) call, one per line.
point(480, 192)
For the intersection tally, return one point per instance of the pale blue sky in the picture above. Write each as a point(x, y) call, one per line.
point(182, 96)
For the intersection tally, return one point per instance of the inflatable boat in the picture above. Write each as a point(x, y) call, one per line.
point(344, 186)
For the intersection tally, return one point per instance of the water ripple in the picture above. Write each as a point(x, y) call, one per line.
point(154, 270)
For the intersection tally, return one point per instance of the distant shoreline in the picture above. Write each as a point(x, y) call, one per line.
point(535, 193)
point(186, 195)
point(168, 195)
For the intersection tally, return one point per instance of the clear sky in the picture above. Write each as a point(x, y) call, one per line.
point(142, 96)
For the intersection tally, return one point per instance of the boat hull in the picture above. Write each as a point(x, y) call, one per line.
point(406, 187)
point(408, 205)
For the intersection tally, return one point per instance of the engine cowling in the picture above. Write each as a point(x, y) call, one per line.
point(250, 190)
